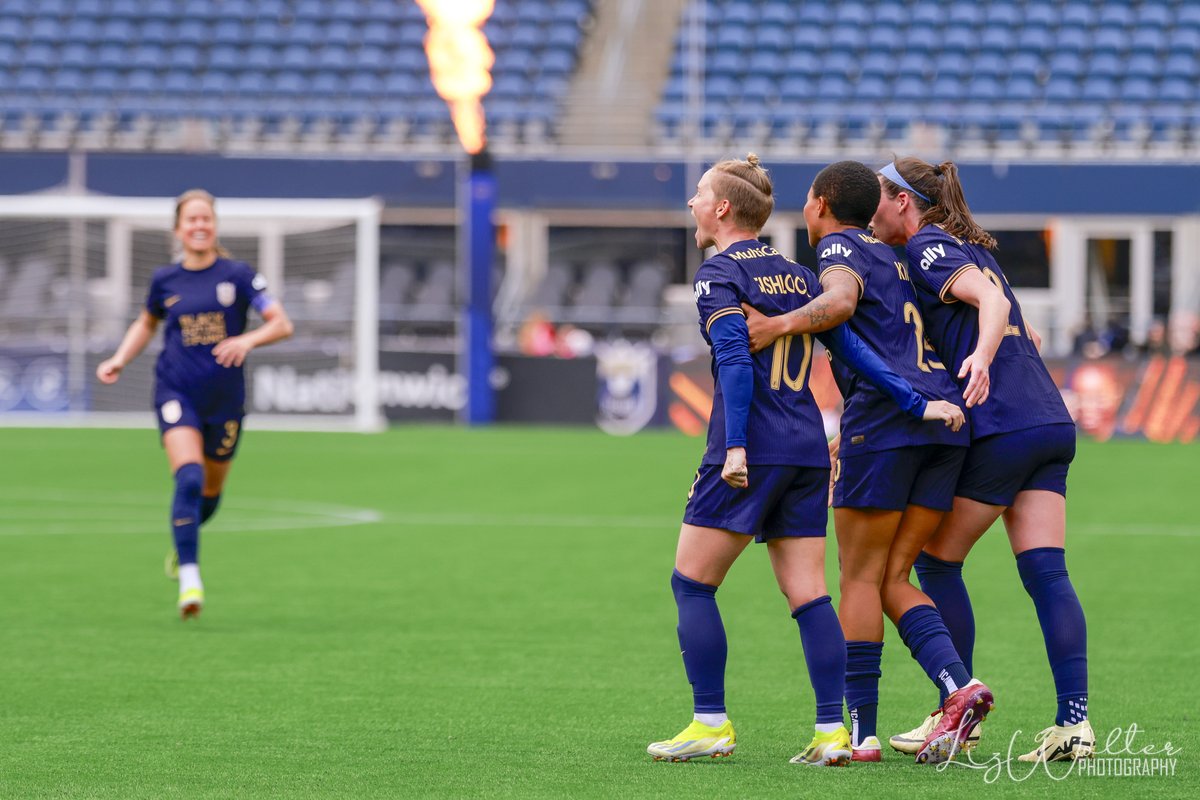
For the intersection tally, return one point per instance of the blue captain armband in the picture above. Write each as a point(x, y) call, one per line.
point(735, 372)
point(855, 354)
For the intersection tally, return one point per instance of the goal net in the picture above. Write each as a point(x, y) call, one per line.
point(74, 271)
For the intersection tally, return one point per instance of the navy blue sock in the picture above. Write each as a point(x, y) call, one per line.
point(185, 512)
point(862, 687)
point(825, 654)
point(702, 642)
point(1044, 572)
point(943, 582)
point(208, 507)
point(923, 631)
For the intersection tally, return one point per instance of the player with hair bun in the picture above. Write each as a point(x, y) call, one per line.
point(1023, 439)
point(200, 387)
point(765, 471)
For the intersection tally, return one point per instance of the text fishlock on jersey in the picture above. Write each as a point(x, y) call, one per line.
point(703, 287)
point(932, 254)
point(836, 249)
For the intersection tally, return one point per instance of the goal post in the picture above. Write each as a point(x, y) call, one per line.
point(74, 271)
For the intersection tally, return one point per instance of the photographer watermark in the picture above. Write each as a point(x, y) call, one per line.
point(1120, 755)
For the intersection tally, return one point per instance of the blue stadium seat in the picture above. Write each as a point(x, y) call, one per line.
point(1002, 14)
point(1143, 65)
point(909, 88)
point(1023, 88)
point(1177, 90)
point(1039, 13)
point(1105, 65)
point(1060, 89)
point(889, 15)
point(1080, 14)
point(852, 14)
point(924, 16)
point(814, 14)
point(1148, 40)
point(1111, 40)
point(1184, 40)
point(1035, 40)
point(965, 15)
point(1072, 39)
point(1138, 90)
point(1153, 14)
point(1066, 64)
point(1116, 15)
point(1025, 65)
point(1098, 90)
point(1181, 65)
point(872, 89)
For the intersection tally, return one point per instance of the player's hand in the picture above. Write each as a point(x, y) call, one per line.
point(109, 370)
point(948, 413)
point(735, 472)
point(232, 352)
point(763, 329)
point(976, 392)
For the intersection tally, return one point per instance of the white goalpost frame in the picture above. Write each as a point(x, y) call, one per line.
point(237, 216)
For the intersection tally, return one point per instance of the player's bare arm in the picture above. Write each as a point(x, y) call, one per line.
point(973, 288)
point(136, 338)
point(831, 308)
point(232, 352)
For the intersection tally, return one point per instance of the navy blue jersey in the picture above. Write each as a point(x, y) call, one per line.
point(784, 426)
point(202, 307)
point(888, 320)
point(1022, 393)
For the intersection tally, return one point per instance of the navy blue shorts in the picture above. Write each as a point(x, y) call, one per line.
point(221, 431)
point(1001, 465)
point(924, 475)
point(779, 502)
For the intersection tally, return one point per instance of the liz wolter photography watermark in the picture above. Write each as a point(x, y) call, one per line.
point(1126, 752)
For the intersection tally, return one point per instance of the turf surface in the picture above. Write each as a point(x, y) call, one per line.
point(435, 612)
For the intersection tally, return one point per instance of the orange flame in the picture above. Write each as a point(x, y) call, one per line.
point(460, 62)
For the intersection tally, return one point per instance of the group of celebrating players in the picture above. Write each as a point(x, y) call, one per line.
point(909, 343)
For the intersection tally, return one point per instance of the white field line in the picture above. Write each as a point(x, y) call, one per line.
point(35, 512)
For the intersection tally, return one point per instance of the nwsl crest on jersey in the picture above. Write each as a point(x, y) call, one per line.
point(226, 293)
point(628, 375)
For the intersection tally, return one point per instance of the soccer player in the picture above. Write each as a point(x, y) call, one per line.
point(895, 478)
point(200, 388)
point(1022, 443)
point(765, 472)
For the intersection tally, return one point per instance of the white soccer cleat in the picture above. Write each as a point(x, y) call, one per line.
point(1064, 743)
point(911, 741)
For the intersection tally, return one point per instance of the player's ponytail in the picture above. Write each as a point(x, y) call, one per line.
point(748, 188)
point(944, 203)
point(195, 194)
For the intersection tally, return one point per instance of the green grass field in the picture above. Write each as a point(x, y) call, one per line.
point(436, 612)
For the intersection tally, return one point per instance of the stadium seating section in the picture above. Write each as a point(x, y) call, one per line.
point(987, 72)
point(351, 75)
point(207, 74)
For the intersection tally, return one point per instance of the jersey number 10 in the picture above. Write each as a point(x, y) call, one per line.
point(781, 355)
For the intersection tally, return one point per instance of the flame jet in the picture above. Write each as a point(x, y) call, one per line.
point(460, 62)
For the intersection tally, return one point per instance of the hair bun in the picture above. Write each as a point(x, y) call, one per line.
point(752, 159)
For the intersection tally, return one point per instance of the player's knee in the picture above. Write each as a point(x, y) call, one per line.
point(189, 479)
point(683, 586)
